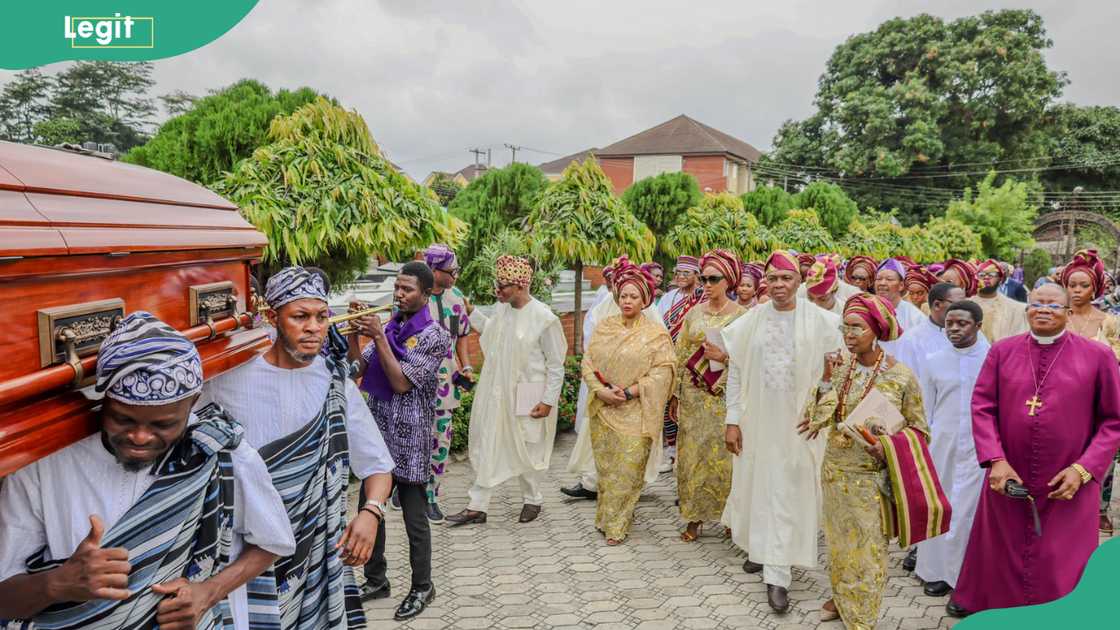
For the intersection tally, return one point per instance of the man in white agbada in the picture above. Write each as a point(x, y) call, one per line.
point(524, 346)
point(1003, 316)
point(72, 523)
point(582, 459)
point(777, 354)
point(948, 382)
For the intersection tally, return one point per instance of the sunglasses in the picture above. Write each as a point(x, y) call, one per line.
point(712, 279)
point(1038, 306)
point(848, 329)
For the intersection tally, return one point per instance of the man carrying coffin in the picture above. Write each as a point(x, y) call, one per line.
point(162, 517)
point(312, 428)
point(1045, 415)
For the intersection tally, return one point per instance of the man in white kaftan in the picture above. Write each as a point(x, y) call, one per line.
point(582, 459)
point(524, 348)
point(947, 382)
point(777, 352)
point(916, 344)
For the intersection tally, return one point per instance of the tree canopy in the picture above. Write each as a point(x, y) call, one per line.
point(719, 221)
point(215, 133)
point(1002, 216)
point(661, 201)
point(833, 206)
point(324, 195)
point(1089, 136)
point(920, 93)
point(769, 204)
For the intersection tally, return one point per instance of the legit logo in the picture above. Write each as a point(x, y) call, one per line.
point(110, 32)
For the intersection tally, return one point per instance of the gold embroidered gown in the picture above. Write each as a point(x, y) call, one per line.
point(703, 463)
point(622, 435)
point(853, 484)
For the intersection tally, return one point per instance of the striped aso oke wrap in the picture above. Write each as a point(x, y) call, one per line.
point(918, 509)
point(291, 284)
point(144, 361)
point(310, 469)
point(182, 526)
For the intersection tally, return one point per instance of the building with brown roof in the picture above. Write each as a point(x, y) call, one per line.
point(554, 169)
point(719, 162)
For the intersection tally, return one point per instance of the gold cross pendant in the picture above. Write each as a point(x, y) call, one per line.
point(1034, 404)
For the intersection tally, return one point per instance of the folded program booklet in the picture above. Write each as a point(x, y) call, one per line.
point(874, 411)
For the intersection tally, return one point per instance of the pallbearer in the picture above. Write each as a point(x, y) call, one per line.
point(1046, 415)
point(106, 532)
point(308, 419)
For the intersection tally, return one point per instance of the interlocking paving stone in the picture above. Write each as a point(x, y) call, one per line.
point(557, 573)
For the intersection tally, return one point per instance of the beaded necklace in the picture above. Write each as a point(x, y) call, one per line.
point(842, 408)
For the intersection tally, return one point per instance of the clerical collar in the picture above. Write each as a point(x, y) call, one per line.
point(935, 324)
point(1045, 341)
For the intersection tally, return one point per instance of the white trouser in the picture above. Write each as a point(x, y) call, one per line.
point(530, 492)
point(590, 481)
point(776, 575)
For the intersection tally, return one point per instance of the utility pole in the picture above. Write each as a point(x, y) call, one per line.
point(478, 154)
point(487, 158)
point(513, 152)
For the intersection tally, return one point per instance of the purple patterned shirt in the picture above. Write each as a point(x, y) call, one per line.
point(405, 420)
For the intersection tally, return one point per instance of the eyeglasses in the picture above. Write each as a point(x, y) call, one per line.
point(712, 279)
point(1038, 306)
point(987, 275)
point(849, 329)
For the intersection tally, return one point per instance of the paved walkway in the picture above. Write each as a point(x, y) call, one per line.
point(557, 572)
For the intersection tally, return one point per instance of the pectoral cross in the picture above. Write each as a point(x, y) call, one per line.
point(1034, 404)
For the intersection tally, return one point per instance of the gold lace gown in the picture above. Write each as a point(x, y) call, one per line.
point(703, 463)
point(853, 484)
point(621, 436)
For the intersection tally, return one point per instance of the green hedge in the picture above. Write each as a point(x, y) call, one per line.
point(461, 418)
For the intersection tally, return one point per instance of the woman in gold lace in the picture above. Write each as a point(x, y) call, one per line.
point(703, 464)
point(853, 480)
point(1084, 279)
point(629, 369)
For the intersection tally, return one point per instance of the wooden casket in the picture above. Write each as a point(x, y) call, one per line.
point(85, 240)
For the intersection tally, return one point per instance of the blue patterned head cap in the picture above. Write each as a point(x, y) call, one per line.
point(146, 362)
point(291, 284)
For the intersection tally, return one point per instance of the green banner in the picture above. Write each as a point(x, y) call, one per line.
point(48, 31)
point(1090, 605)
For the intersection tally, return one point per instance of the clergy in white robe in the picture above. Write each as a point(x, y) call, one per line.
point(920, 341)
point(524, 348)
point(947, 383)
point(777, 352)
point(149, 486)
point(582, 460)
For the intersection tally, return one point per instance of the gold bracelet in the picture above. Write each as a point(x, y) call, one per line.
point(1085, 476)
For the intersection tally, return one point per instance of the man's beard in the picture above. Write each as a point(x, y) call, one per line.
point(130, 465)
point(293, 349)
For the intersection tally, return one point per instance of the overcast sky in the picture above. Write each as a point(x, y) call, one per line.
point(434, 78)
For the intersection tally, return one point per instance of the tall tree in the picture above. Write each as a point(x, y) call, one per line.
point(177, 102)
point(769, 203)
point(499, 200)
point(919, 95)
point(108, 99)
point(323, 194)
point(1088, 136)
point(218, 131)
point(578, 220)
point(445, 188)
point(833, 206)
point(662, 200)
point(803, 231)
point(23, 104)
point(719, 222)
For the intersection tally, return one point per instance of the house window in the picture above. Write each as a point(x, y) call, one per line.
point(650, 165)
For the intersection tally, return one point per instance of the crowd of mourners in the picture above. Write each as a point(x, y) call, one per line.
point(945, 407)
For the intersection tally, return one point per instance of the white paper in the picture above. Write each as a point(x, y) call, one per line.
point(529, 395)
point(714, 337)
point(875, 411)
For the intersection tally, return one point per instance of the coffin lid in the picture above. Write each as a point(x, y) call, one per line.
point(57, 202)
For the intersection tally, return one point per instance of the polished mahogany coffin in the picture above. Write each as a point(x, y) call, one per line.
point(85, 240)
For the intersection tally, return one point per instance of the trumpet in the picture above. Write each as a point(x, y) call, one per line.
point(347, 317)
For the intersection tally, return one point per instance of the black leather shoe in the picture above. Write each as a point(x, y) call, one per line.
point(466, 517)
point(415, 603)
point(956, 611)
point(937, 589)
point(435, 515)
point(911, 560)
point(579, 492)
point(751, 567)
point(778, 598)
point(529, 513)
point(369, 592)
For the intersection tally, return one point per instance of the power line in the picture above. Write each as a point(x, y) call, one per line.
point(513, 149)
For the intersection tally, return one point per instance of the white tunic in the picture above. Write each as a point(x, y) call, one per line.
point(1003, 317)
point(49, 502)
point(520, 345)
point(949, 378)
point(272, 402)
point(776, 359)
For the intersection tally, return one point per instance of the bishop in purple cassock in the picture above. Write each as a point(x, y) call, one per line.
point(1045, 412)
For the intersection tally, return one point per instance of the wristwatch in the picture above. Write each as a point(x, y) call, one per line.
point(379, 505)
point(1085, 476)
point(626, 393)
